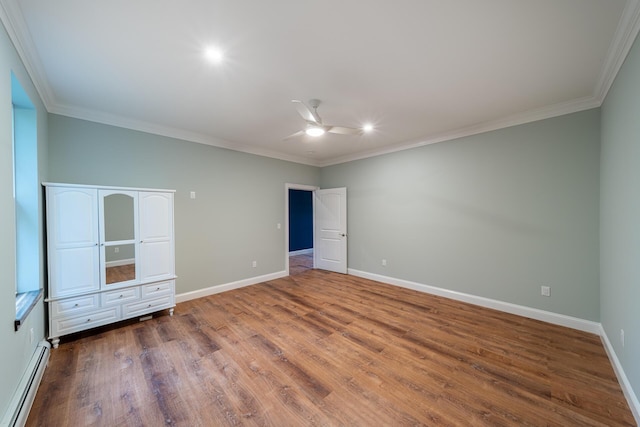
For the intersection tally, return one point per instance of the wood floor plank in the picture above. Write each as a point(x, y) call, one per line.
point(320, 348)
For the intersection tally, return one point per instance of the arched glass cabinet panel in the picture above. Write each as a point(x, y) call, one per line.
point(118, 238)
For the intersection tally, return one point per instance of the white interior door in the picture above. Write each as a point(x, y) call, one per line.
point(330, 240)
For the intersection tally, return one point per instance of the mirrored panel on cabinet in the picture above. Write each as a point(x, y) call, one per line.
point(120, 263)
point(119, 218)
point(119, 222)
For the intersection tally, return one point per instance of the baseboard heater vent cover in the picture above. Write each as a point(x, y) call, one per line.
point(18, 411)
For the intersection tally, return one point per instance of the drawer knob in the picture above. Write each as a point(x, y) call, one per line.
point(121, 295)
point(158, 288)
point(88, 320)
point(149, 305)
point(76, 304)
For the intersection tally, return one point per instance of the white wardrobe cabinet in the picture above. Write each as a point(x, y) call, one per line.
point(110, 255)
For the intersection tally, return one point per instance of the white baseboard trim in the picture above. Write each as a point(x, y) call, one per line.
point(228, 286)
point(520, 310)
point(119, 262)
point(533, 313)
point(301, 252)
point(625, 385)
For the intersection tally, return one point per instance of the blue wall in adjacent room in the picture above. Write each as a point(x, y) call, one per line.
point(300, 220)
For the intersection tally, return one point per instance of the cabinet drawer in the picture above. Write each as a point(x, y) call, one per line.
point(147, 306)
point(120, 295)
point(67, 325)
point(72, 306)
point(157, 289)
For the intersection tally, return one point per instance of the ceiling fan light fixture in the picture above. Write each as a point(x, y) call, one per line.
point(314, 131)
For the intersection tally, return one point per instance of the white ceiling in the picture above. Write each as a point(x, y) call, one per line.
point(422, 71)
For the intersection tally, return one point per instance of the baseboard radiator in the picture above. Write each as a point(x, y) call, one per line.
point(20, 405)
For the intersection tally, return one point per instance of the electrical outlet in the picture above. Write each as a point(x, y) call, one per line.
point(279, 226)
point(116, 250)
point(622, 336)
point(192, 194)
point(31, 336)
point(545, 291)
point(384, 262)
point(254, 264)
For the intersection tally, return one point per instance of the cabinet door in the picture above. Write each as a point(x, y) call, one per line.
point(72, 222)
point(156, 236)
point(118, 237)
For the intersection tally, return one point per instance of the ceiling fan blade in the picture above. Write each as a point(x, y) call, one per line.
point(344, 130)
point(306, 112)
point(293, 135)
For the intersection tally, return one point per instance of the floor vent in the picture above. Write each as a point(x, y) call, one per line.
point(18, 410)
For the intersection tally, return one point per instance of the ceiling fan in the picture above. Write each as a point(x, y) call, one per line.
point(315, 127)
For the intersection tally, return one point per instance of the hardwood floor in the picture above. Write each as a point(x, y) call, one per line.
point(120, 273)
point(320, 348)
point(298, 264)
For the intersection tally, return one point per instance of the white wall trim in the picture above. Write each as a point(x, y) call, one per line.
point(626, 33)
point(507, 307)
point(216, 289)
point(628, 28)
point(120, 262)
point(301, 252)
point(546, 112)
point(173, 132)
point(625, 385)
point(18, 32)
point(532, 313)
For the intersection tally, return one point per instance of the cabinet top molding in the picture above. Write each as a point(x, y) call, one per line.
point(104, 187)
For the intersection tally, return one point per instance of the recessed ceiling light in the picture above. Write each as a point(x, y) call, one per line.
point(214, 55)
point(368, 127)
point(314, 131)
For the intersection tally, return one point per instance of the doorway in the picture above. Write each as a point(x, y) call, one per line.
point(299, 228)
point(328, 249)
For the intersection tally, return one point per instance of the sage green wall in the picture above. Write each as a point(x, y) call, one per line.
point(495, 215)
point(620, 216)
point(16, 346)
point(239, 196)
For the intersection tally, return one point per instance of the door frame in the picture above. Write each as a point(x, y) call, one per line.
point(287, 187)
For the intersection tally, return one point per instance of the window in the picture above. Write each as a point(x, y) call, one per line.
point(25, 190)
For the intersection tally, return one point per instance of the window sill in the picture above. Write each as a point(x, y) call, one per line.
point(25, 302)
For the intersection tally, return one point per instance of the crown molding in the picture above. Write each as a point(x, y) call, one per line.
point(13, 21)
point(175, 133)
point(559, 109)
point(556, 110)
point(626, 33)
